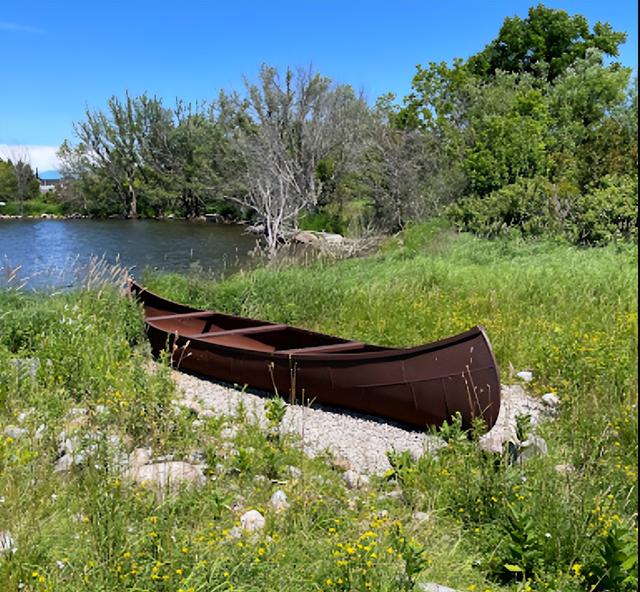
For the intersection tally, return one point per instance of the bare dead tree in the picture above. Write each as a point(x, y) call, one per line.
point(295, 123)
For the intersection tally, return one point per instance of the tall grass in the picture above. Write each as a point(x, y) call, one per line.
point(567, 314)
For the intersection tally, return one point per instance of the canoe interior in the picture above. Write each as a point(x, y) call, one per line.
point(239, 332)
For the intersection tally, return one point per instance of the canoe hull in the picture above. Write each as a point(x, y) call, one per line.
point(419, 386)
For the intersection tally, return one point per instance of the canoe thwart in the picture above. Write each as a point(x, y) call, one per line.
point(183, 315)
point(241, 331)
point(334, 347)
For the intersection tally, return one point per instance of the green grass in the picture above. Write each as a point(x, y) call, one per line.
point(31, 207)
point(567, 314)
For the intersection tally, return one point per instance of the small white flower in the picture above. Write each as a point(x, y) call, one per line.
point(2, 499)
point(547, 535)
point(60, 564)
point(54, 497)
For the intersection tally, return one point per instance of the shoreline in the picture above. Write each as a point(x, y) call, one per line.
point(213, 218)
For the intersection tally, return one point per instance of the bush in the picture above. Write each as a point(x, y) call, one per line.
point(321, 222)
point(536, 207)
point(608, 213)
point(530, 207)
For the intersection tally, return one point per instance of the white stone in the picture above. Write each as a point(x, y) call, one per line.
point(354, 480)
point(167, 474)
point(533, 446)
point(279, 501)
point(15, 432)
point(252, 521)
point(525, 375)
point(421, 516)
point(551, 400)
point(495, 440)
point(140, 457)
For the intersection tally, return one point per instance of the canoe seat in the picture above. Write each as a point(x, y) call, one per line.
point(183, 315)
point(241, 331)
point(334, 347)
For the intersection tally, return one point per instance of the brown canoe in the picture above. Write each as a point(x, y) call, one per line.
point(421, 386)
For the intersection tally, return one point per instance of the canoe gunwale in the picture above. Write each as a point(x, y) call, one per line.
point(388, 353)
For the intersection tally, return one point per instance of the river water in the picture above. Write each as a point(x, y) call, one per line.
point(49, 253)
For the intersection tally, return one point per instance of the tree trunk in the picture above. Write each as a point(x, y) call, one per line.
point(133, 201)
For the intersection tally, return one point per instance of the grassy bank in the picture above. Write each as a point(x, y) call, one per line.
point(569, 315)
point(31, 207)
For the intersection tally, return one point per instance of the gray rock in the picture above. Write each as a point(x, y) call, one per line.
point(551, 400)
point(26, 367)
point(40, 431)
point(7, 544)
point(165, 475)
point(525, 375)
point(279, 501)
point(421, 516)
point(354, 480)
point(252, 521)
point(15, 432)
point(294, 472)
point(63, 464)
point(533, 446)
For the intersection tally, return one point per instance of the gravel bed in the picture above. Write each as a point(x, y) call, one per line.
point(362, 441)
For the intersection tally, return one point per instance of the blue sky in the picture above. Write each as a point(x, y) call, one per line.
point(61, 57)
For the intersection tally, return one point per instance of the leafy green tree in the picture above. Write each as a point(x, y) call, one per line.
point(544, 44)
point(8, 185)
